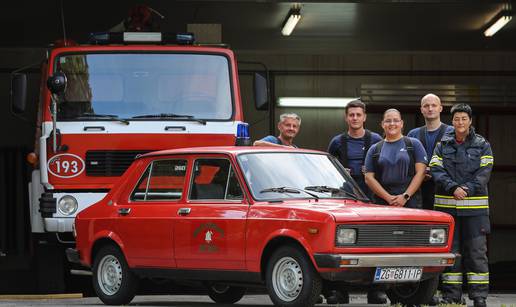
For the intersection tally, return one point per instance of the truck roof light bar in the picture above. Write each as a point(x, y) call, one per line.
point(104, 38)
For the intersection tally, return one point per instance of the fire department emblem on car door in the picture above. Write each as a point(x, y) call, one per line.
point(212, 235)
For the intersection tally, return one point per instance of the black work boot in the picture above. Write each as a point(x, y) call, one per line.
point(338, 297)
point(376, 297)
point(479, 302)
point(434, 301)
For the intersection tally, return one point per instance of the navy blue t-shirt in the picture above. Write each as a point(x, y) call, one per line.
point(394, 161)
point(431, 138)
point(356, 147)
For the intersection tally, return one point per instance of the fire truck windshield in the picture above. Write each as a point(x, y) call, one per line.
point(132, 86)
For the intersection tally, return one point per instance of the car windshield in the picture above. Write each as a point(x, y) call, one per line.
point(277, 175)
point(145, 86)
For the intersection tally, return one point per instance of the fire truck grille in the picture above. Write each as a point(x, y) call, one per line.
point(393, 235)
point(109, 163)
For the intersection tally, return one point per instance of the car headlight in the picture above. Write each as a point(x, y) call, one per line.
point(67, 205)
point(346, 236)
point(437, 236)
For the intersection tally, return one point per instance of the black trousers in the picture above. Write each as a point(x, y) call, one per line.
point(469, 240)
point(428, 194)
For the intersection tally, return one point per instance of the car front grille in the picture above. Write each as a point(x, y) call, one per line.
point(109, 162)
point(414, 235)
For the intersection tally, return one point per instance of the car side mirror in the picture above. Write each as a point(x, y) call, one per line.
point(18, 92)
point(57, 83)
point(261, 93)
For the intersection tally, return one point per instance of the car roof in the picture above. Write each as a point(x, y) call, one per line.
point(233, 150)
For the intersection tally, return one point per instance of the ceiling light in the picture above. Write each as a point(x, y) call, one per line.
point(291, 21)
point(498, 22)
point(314, 102)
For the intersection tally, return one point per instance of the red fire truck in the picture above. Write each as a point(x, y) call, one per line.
point(120, 96)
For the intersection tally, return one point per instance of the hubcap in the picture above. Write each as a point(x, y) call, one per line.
point(287, 279)
point(109, 275)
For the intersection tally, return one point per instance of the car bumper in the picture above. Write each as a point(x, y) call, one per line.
point(73, 255)
point(384, 260)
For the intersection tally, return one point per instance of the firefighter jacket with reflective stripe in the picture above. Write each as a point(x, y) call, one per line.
point(466, 165)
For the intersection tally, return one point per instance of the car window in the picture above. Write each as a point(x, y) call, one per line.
point(163, 180)
point(214, 179)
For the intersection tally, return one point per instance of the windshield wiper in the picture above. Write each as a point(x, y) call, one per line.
point(327, 189)
point(171, 115)
point(95, 115)
point(288, 190)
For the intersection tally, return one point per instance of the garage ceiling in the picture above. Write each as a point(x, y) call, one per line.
point(326, 27)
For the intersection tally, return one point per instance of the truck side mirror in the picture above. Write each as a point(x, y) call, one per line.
point(18, 92)
point(261, 94)
point(57, 83)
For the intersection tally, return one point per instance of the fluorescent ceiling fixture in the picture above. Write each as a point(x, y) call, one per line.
point(292, 19)
point(500, 21)
point(314, 102)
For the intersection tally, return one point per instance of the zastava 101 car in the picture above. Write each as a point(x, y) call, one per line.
point(238, 217)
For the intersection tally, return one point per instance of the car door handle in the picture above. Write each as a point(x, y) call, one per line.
point(124, 211)
point(184, 211)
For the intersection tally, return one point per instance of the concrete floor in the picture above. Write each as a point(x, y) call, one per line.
point(356, 300)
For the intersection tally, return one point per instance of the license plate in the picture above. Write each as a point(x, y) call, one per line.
point(398, 274)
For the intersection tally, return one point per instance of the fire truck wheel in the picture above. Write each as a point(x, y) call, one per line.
point(113, 282)
point(224, 294)
point(291, 278)
point(413, 293)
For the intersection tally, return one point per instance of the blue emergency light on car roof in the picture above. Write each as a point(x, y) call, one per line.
point(242, 135)
point(103, 38)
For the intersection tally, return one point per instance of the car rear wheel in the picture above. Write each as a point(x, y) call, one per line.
point(413, 293)
point(291, 278)
point(224, 294)
point(113, 282)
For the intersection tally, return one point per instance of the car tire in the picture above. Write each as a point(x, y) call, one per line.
point(413, 293)
point(291, 278)
point(113, 282)
point(224, 294)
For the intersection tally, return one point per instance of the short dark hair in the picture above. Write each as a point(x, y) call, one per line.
point(462, 107)
point(357, 103)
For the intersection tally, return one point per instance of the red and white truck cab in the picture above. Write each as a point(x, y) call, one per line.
point(108, 102)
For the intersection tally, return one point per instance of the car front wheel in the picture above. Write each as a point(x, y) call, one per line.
point(113, 282)
point(413, 293)
point(224, 294)
point(291, 278)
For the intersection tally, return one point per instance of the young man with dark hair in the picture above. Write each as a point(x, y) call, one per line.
point(350, 148)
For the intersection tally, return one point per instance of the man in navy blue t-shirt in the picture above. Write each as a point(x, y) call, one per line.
point(288, 126)
point(351, 147)
point(429, 135)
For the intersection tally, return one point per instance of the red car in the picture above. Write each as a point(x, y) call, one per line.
point(233, 217)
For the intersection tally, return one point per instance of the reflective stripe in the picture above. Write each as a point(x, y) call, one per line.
point(478, 278)
point(473, 202)
point(436, 161)
point(486, 160)
point(452, 278)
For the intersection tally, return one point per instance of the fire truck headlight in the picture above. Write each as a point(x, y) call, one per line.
point(437, 236)
point(67, 205)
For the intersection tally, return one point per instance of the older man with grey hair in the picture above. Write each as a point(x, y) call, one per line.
point(288, 126)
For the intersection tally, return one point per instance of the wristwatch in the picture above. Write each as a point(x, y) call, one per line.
point(406, 196)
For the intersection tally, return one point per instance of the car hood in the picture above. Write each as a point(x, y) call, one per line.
point(349, 211)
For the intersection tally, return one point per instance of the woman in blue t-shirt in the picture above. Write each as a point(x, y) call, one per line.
point(395, 167)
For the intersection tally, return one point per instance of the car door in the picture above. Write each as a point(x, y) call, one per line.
point(145, 220)
point(210, 227)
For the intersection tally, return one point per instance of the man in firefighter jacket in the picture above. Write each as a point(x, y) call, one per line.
point(461, 166)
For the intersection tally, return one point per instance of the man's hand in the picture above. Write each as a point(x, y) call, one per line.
point(428, 176)
point(459, 193)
